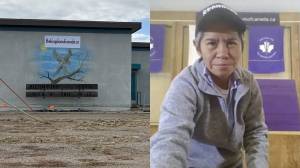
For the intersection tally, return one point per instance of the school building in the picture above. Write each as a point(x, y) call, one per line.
point(72, 65)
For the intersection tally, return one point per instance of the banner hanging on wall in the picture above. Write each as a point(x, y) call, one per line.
point(157, 41)
point(266, 49)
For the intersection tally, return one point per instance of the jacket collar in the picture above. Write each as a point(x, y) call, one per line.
point(205, 82)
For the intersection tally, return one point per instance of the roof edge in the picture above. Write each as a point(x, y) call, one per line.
point(133, 26)
point(141, 45)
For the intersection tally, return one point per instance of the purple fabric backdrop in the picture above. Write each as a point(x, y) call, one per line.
point(280, 104)
point(157, 40)
point(266, 49)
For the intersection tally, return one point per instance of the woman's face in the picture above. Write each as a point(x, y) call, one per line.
point(221, 52)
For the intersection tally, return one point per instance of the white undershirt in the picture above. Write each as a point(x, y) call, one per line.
point(223, 92)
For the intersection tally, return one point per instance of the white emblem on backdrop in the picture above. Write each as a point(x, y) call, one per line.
point(152, 47)
point(266, 48)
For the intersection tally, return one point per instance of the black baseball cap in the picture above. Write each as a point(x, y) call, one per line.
point(219, 14)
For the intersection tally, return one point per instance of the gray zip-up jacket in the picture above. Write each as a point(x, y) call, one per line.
point(194, 131)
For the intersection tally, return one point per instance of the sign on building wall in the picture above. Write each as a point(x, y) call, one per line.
point(266, 49)
point(157, 41)
point(62, 41)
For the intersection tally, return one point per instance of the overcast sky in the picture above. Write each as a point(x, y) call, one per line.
point(93, 10)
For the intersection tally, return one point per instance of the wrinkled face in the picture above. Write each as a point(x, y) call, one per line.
point(221, 52)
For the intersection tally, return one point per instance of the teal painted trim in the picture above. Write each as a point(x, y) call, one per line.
point(140, 49)
point(135, 67)
point(133, 86)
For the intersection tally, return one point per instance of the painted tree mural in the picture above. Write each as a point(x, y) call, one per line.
point(57, 64)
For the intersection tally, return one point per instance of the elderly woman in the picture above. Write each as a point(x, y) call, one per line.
point(213, 109)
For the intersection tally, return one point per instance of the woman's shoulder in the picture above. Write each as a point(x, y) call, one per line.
point(245, 75)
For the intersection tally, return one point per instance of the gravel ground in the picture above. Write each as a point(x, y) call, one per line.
point(86, 139)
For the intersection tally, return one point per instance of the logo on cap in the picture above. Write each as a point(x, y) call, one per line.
point(215, 6)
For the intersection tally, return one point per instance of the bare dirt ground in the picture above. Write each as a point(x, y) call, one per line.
point(86, 139)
